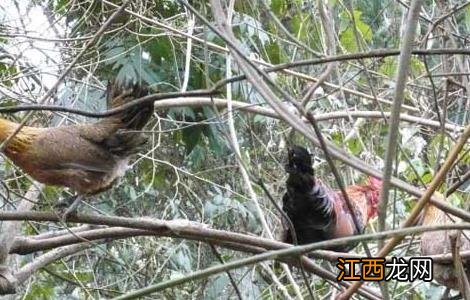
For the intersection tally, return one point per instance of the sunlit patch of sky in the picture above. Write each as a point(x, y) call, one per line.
point(23, 17)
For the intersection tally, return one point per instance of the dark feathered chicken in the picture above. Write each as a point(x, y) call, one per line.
point(317, 212)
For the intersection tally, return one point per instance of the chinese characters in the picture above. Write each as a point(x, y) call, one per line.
point(373, 269)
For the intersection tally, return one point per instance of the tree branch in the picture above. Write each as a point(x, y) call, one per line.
point(399, 94)
point(289, 252)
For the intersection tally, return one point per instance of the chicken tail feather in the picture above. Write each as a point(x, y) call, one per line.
point(135, 117)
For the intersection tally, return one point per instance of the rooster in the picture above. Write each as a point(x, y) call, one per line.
point(451, 275)
point(319, 213)
point(87, 158)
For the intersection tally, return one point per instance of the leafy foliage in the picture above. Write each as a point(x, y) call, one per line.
point(188, 169)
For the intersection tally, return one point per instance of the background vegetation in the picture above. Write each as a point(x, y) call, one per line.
point(188, 169)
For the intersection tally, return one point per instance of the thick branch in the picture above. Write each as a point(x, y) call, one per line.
point(28, 245)
point(29, 269)
point(197, 231)
point(169, 100)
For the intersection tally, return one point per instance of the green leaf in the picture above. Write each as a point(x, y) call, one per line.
point(274, 52)
point(347, 34)
point(167, 8)
point(61, 6)
point(6, 72)
point(210, 210)
point(364, 29)
point(82, 276)
point(348, 40)
point(417, 66)
point(127, 72)
point(337, 137)
point(197, 156)
point(181, 259)
point(114, 49)
point(216, 289)
point(467, 18)
point(278, 7)
point(192, 136)
point(40, 290)
point(427, 177)
point(300, 26)
point(296, 24)
point(51, 193)
point(260, 119)
point(161, 50)
point(434, 148)
point(354, 146)
point(388, 67)
point(7, 102)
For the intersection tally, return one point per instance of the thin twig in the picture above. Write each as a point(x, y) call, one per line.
point(399, 94)
point(230, 277)
point(461, 181)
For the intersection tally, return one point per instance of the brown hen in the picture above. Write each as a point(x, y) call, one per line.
point(439, 242)
point(88, 158)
